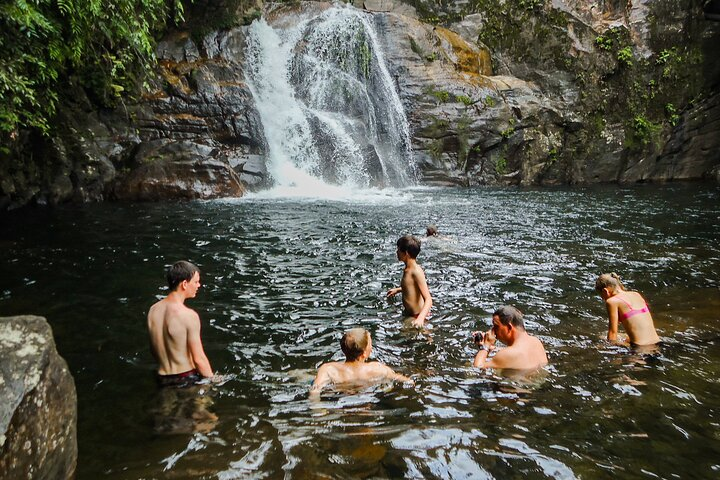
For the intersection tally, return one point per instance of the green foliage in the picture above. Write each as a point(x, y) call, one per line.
point(365, 57)
point(553, 155)
point(428, 57)
point(416, 48)
point(625, 56)
point(519, 28)
point(489, 101)
point(464, 99)
point(509, 130)
point(645, 131)
point(672, 114)
point(501, 165)
point(666, 55)
point(603, 42)
point(531, 5)
point(441, 95)
point(435, 149)
point(670, 60)
point(104, 44)
point(611, 39)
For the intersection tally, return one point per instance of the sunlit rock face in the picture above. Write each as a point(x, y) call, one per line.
point(498, 96)
point(580, 92)
point(38, 403)
point(481, 92)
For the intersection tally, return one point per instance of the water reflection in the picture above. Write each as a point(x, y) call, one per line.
point(183, 410)
point(283, 279)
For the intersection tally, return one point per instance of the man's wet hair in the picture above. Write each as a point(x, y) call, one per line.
point(410, 245)
point(510, 315)
point(179, 272)
point(354, 342)
point(431, 230)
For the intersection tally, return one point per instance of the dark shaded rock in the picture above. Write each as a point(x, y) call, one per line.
point(38, 403)
point(183, 169)
point(198, 103)
point(693, 150)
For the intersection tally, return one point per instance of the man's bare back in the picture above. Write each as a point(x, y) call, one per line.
point(523, 351)
point(527, 353)
point(168, 324)
point(175, 329)
point(356, 372)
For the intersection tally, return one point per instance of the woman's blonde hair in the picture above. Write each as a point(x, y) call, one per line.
point(609, 280)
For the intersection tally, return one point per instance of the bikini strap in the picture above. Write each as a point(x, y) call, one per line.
point(626, 302)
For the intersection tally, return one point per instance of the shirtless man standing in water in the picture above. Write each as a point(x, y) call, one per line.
point(175, 331)
point(415, 293)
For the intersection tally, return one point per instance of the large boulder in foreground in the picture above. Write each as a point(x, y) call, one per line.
point(38, 403)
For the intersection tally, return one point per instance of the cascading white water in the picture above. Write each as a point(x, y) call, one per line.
point(328, 104)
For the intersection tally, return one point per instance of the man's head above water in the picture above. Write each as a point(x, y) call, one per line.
point(354, 343)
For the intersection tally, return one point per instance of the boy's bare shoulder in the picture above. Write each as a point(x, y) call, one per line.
point(378, 368)
point(330, 367)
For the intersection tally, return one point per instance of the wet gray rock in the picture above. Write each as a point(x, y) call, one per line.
point(558, 106)
point(178, 169)
point(693, 150)
point(38, 403)
point(178, 141)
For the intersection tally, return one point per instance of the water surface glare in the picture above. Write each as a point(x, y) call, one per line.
point(283, 277)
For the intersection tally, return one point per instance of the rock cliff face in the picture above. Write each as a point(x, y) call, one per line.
point(593, 92)
point(38, 403)
point(530, 92)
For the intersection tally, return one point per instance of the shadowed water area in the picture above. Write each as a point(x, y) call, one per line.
point(282, 279)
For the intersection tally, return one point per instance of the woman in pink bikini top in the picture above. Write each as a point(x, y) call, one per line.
point(628, 308)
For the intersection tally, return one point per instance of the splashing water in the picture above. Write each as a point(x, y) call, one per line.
point(332, 118)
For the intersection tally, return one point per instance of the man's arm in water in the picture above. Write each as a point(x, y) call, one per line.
point(197, 352)
point(419, 279)
point(322, 379)
point(392, 375)
point(502, 359)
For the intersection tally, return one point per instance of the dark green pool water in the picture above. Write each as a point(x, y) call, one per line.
point(282, 279)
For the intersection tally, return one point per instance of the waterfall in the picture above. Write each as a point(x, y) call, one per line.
point(328, 104)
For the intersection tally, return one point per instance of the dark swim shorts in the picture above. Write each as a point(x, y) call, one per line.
point(184, 379)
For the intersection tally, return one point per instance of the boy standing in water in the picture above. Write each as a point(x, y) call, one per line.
point(356, 344)
point(175, 331)
point(415, 293)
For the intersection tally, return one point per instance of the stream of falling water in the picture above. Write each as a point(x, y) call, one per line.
point(332, 118)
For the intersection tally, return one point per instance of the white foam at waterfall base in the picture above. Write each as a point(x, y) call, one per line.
point(325, 192)
point(325, 104)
